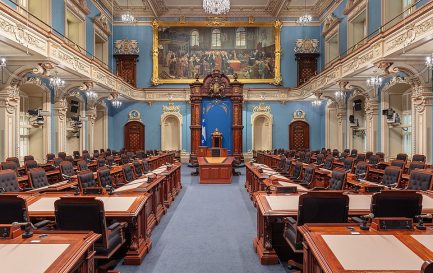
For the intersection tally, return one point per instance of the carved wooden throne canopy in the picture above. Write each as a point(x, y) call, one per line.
point(216, 85)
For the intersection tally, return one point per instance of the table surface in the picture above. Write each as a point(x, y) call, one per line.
point(338, 249)
point(279, 203)
point(57, 252)
point(215, 160)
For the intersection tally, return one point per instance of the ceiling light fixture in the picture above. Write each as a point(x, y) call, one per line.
point(2, 62)
point(216, 7)
point(91, 95)
point(375, 82)
point(429, 61)
point(317, 101)
point(56, 82)
point(127, 17)
point(116, 103)
point(306, 18)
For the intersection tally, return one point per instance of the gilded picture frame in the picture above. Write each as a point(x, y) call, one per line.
point(169, 75)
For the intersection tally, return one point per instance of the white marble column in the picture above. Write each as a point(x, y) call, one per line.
point(371, 111)
point(60, 109)
point(422, 121)
point(9, 122)
point(91, 118)
point(342, 128)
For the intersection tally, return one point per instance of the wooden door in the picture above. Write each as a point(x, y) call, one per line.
point(134, 136)
point(299, 135)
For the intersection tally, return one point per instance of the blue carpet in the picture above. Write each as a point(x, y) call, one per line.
point(208, 229)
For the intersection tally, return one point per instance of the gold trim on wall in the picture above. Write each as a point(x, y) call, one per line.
point(216, 22)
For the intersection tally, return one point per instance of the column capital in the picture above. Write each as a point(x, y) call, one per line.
point(421, 97)
point(9, 98)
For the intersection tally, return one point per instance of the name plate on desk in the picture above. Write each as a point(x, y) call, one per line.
point(9, 231)
point(400, 223)
point(92, 190)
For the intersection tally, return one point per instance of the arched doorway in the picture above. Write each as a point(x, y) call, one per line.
point(171, 133)
point(134, 136)
point(397, 134)
point(299, 135)
point(262, 133)
point(34, 137)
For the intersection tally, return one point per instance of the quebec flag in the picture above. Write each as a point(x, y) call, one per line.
point(203, 132)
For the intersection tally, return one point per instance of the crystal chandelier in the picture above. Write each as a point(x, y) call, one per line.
point(2, 62)
point(374, 81)
point(306, 18)
point(216, 7)
point(92, 95)
point(56, 82)
point(429, 61)
point(116, 103)
point(128, 17)
point(340, 94)
point(317, 101)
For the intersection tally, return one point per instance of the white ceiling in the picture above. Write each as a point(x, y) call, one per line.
point(239, 8)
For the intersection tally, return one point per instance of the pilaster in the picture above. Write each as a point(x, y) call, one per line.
point(422, 121)
point(60, 109)
point(342, 128)
point(9, 122)
point(91, 117)
point(371, 110)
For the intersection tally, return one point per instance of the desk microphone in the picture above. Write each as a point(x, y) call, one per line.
point(2, 190)
point(109, 189)
point(420, 218)
point(365, 218)
point(28, 226)
point(77, 190)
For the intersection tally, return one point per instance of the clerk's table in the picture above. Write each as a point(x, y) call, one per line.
point(215, 170)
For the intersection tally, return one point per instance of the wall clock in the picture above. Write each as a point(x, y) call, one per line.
point(134, 115)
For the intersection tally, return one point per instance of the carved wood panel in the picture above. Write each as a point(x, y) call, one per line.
point(307, 66)
point(126, 68)
point(134, 136)
point(299, 135)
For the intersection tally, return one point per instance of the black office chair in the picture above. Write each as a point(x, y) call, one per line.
point(368, 154)
point(14, 159)
point(348, 164)
point(319, 160)
point(28, 157)
point(297, 171)
point(308, 176)
point(62, 155)
point(381, 156)
point(361, 170)
point(194, 164)
point(354, 153)
point(128, 173)
point(124, 159)
point(67, 169)
point(146, 168)
point(87, 213)
point(337, 180)
point(307, 158)
point(314, 207)
point(95, 154)
point(335, 153)
point(373, 160)
point(100, 162)
point(329, 163)
point(69, 158)
point(427, 267)
point(396, 204)
point(360, 157)
point(14, 209)
point(104, 177)
point(86, 180)
point(420, 180)
point(418, 157)
point(416, 165)
point(138, 168)
point(30, 164)
point(76, 154)
point(8, 181)
point(50, 157)
point(110, 160)
point(391, 177)
point(9, 165)
point(402, 156)
point(281, 163)
point(82, 165)
point(38, 178)
point(398, 163)
point(57, 161)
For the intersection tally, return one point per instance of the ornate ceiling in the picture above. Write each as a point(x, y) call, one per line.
point(239, 8)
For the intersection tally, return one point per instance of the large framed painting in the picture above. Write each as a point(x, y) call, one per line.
point(183, 51)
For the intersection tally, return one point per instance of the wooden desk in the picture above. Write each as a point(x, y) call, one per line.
point(215, 170)
point(125, 207)
point(272, 208)
point(159, 160)
point(270, 160)
point(59, 252)
point(332, 248)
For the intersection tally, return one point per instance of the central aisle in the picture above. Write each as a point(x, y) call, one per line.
point(208, 229)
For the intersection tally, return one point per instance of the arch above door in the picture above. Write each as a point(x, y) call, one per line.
point(170, 113)
point(261, 113)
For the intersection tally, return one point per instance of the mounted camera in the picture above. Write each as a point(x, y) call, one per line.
point(39, 116)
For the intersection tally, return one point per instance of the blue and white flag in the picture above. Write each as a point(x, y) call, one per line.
point(203, 132)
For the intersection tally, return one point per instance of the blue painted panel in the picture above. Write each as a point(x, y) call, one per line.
point(218, 114)
point(58, 16)
point(143, 34)
point(374, 17)
point(10, 3)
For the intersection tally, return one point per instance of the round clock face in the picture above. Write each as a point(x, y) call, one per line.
point(299, 114)
point(134, 114)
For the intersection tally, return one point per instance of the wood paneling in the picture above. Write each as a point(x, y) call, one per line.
point(134, 136)
point(299, 135)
